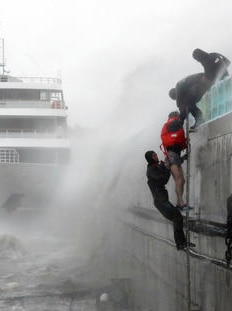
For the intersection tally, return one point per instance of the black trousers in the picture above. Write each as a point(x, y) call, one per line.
point(188, 104)
point(194, 110)
point(170, 212)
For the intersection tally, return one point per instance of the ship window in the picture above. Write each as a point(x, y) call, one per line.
point(9, 156)
point(24, 94)
point(9, 94)
point(56, 95)
point(44, 95)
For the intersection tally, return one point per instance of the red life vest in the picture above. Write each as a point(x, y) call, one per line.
point(173, 138)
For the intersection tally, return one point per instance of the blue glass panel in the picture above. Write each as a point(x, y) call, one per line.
point(218, 100)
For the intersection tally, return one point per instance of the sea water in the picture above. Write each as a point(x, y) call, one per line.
point(38, 267)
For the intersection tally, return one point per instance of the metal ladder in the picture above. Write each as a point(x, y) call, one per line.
point(191, 307)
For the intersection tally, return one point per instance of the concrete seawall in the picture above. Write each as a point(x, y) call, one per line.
point(138, 242)
point(139, 246)
point(211, 169)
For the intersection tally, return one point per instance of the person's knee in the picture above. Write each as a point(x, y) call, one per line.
point(176, 171)
point(180, 179)
point(181, 176)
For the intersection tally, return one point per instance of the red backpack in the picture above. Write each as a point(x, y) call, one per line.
point(172, 138)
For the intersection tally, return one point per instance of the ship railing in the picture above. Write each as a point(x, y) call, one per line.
point(23, 133)
point(217, 101)
point(42, 80)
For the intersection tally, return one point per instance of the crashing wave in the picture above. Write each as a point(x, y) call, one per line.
point(11, 247)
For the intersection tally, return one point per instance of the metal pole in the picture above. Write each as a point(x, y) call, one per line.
point(187, 214)
point(3, 56)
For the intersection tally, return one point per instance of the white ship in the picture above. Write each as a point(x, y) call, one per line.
point(34, 147)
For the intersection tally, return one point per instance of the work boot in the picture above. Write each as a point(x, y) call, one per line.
point(184, 208)
point(194, 127)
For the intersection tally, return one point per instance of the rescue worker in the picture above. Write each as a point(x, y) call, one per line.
point(157, 177)
point(189, 91)
point(174, 142)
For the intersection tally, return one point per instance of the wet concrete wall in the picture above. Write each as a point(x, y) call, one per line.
point(140, 247)
point(137, 243)
point(140, 243)
point(211, 169)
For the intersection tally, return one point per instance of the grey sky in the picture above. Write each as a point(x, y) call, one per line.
point(95, 44)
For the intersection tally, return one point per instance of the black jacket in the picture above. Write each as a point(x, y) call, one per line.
point(190, 90)
point(157, 177)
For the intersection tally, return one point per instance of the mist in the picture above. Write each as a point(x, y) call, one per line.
point(117, 62)
point(94, 44)
point(106, 175)
point(107, 170)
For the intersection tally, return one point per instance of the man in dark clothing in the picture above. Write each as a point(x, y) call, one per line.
point(189, 91)
point(158, 175)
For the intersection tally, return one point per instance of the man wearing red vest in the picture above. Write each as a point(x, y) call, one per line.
point(174, 142)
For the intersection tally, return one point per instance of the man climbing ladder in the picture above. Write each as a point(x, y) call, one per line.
point(173, 143)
